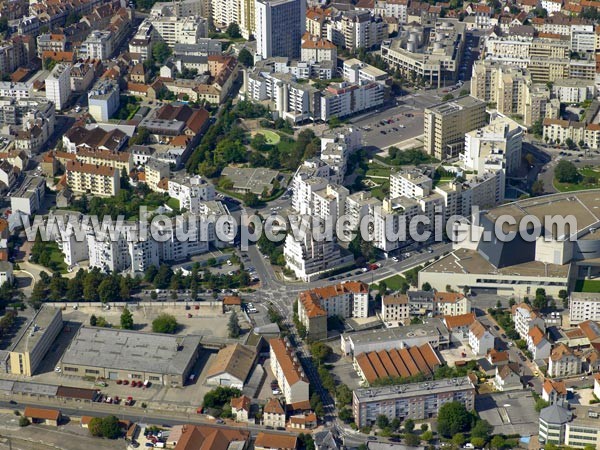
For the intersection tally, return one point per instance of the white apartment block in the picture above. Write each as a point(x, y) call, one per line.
point(451, 304)
point(288, 371)
point(225, 12)
point(356, 29)
point(574, 91)
point(480, 339)
point(397, 9)
point(174, 30)
point(309, 258)
point(98, 45)
point(191, 192)
point(584, 306)
point(495, 146)
point(356, 71)
point(58, 85)
point(16, 90)
point(563, 362)
point(525, 319)
point(102, 181)
point(583, 38)
point(336, 147)
point(410, 183)
point(551, 6)
point(345, 99)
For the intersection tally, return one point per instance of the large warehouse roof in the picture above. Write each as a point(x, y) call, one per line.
point(131, 350)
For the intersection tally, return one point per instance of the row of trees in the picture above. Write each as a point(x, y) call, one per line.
point(89, 286)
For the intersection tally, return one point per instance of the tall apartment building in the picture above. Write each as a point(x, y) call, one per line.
point(225, 12)
point(288, 371)
point(512, 92)
point(58, 85)
point(103, 99)
point(35, 340)
point(279, 27)
point(584, 306)
point(349, 299)
point(98, 45)
point(445, 125)
point(247, 21)
point(309, 258)
point(356, 29)
point(583, 38)
point(416, 401)
point(84, 178)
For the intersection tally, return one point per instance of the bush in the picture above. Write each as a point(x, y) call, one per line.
point(165, 323)
point(23, 421)
point(107, 427)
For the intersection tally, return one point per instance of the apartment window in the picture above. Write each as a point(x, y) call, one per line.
point(70, 369)
point(92, 371)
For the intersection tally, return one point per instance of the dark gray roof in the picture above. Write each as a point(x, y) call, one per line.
point(555, 414)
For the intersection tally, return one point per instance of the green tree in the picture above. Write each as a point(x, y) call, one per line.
point(107, 427)
point(566, 172)
point(426, 286)
point(23, 421)
point(382, 421)
point(478, 442)
point(320, 351)
point(126, 319)
point(251, 199)
point(233, 31)
point(93, 320)
point(458, 439)
point(245, 58)
point(412, 440)
point(482, 429)
point(537, 188)
point(447, 97)
point(165, 323)
point(538, 128)
point(409, 425)
point(564, 296)
point(160, 52)
point(497, 442)
point(540, 301)
point(343, 395)
point(108, 290)
point(345, 415)
point(233, 326)
point(453, 418)
point(427, 436)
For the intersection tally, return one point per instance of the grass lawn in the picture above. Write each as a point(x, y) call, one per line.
point(173, 203)
point(589, 180)
point(442, 180)
point(395, 282)
point(271, 137)
point(58, 258)
point(382, 190)
point(587, 286)
point(378, 171)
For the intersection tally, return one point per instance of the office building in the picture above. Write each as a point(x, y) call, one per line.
point(113, 354)
point(445, 125)
point(103, 100)
point(279, 27)
point(416, 401)
point(431, 51)
point(35, 340)
point(58, 85)
point(577, 426)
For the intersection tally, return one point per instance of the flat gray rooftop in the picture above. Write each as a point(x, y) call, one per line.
point(509, 413)
point(433, 327)
point(131, 350)
point(413, 389)
point(35, 329)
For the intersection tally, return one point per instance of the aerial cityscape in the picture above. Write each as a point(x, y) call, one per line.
point(300, 224)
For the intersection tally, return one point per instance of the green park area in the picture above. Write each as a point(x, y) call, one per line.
point(587, 286)
point(569, 178)
point(271, 137)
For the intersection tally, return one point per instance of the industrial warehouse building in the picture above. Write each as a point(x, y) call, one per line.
point(131, 355)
